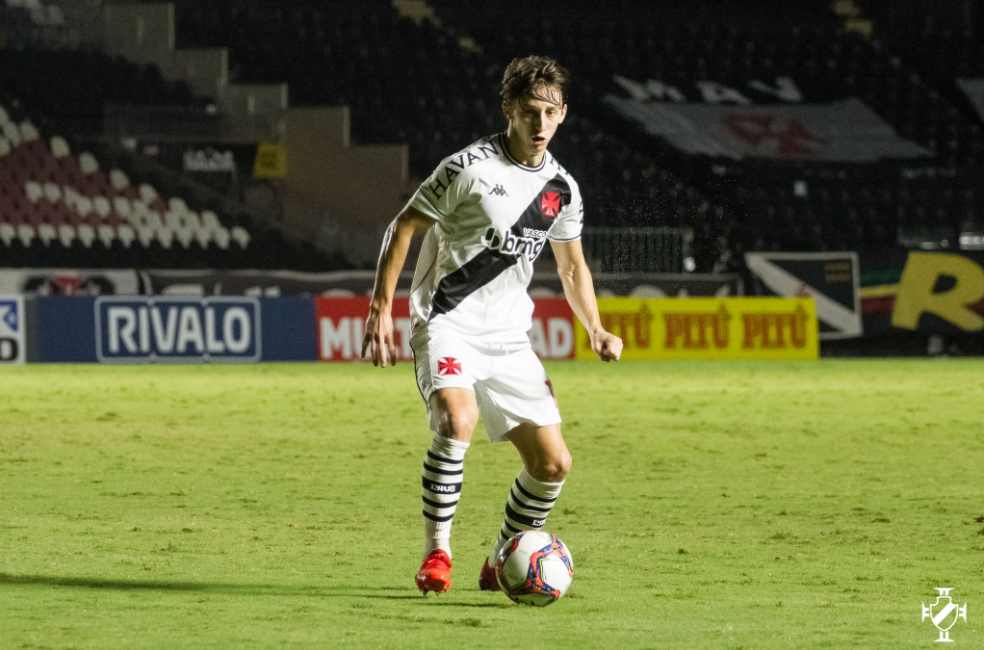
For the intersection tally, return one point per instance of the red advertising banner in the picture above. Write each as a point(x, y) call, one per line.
point(341, 323)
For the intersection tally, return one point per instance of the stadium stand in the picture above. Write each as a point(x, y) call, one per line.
point(69, 198)
point(394, 71)
point(428, 74)
point(798, 205)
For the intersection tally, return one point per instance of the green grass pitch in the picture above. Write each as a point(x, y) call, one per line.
point(711, 505)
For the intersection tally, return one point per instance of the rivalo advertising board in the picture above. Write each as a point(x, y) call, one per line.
point(341, 325)
point(175, 330)
point(171, 329)
point(709, 328)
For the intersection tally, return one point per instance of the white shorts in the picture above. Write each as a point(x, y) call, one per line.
point(509, 382)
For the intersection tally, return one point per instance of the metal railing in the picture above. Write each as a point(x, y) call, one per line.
point(634, 250)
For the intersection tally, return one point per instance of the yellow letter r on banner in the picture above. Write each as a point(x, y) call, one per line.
point(915, 295)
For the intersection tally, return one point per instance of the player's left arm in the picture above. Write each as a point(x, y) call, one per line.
point(579, 289)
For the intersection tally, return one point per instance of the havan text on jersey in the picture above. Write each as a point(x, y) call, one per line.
point(456, 165)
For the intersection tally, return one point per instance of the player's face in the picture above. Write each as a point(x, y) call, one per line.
point(533, 119)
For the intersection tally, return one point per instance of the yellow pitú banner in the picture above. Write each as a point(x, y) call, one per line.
point(708, 328)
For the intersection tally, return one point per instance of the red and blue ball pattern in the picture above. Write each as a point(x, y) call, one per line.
point(535, 589)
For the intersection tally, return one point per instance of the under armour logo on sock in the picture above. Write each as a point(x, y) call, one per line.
point(499, 190)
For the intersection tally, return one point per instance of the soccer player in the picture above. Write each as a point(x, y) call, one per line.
point(486, 213)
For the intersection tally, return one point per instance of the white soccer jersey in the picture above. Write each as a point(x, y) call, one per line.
point(494, 216)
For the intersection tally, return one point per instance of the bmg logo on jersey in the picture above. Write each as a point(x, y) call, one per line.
point(11, 329)
point(176, 330)
point(517, 245)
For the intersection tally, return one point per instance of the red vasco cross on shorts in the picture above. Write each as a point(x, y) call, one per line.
point(448, 366)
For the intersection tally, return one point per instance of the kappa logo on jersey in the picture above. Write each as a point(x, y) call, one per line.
point(550, 204)
point(499, 190)
point(515, 245)
point(448, 366)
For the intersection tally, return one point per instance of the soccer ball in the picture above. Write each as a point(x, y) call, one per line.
point(534, 568)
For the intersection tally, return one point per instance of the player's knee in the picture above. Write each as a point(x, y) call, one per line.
point(457, 426)
point(555, 468)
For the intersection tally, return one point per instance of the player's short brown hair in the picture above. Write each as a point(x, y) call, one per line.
point(530, 76)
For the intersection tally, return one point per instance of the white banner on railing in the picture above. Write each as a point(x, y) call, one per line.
point(845, 131)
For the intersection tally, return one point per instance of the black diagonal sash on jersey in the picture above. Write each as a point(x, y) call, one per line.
point(487, 265)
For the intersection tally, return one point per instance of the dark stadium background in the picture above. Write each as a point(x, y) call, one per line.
point(250, 136)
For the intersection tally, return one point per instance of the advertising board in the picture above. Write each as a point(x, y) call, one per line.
point(175, 330)
point(708, 328)
point(341, 323)
point(137, 329)
point(12, 330)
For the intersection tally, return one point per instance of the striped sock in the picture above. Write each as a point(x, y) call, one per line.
point(527, 507)
point(442, 480)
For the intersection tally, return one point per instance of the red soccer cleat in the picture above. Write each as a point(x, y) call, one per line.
point(435, 573)
point(487, 580)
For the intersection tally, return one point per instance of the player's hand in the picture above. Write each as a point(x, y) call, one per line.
point(379, 339)
point(607, 346)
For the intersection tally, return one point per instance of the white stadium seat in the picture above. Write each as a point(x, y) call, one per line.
point(4, 117)
point(7, 233)
point(29, 132)
point(203, 236)
point(102, 206)
point(26, 233)
point(184, 237)
point(145, 235)
point(107, 235)
point(193, 221)
point(47, 233)
point(122, 206)
point(210, 221)
point(86, 235)
point(240, 235)
point(125, 234)
point(66, 234)
point(177, 205)
point(4, 147)
point(52, 192)
point(88, 163)
point(221, 237)
point(12, 133)
point(83, 206)
point(119, 180)
point(148, 193)
point(154, 218)
point(165, 237)
point(34, 191)
point(173, 220)
point(59, 147)
point(70, 197)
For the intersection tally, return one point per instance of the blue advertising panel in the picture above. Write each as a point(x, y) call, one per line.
point(64, 329)
point(290, 329)
point(178, 330)
point(12, 336)
point(131, 329)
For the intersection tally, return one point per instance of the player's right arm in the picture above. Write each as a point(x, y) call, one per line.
point(379, 339)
